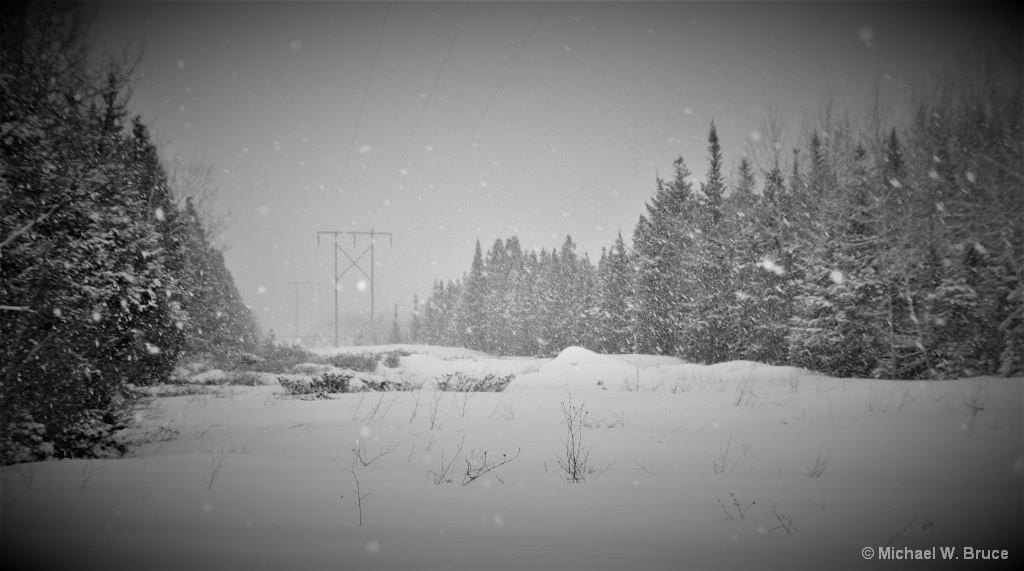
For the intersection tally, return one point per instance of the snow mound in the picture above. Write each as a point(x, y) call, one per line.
point(647, 361)
point(579, 367)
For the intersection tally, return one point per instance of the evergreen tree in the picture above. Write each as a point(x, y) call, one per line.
point(660, 239)
point(713, 188)
point(416, 324)
point(615, 299)
point(708, 267)
point(395, 333)
point(469, 311)
point(84, 286)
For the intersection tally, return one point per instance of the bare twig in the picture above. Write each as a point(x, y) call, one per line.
point(444, 476)
point(359, 495)
point(217, 462)
point(649, 467)
point(360, 451)
point(785, 523)
point(476, 466)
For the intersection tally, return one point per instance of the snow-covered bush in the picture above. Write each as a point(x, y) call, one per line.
point(460, 382)
point(319, 388)
point(362, 362)
point(391, 361)
point(24, 441)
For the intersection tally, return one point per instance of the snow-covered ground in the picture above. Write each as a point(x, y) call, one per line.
point(736, 466)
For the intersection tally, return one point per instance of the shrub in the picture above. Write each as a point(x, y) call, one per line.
point(385, 385)
point(362, 362)
point(276, 359)
point(24, 440)
point(391, 361)
point(319, 388)
point(462, 383)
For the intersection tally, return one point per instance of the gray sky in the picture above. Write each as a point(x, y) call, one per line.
point(279, 97)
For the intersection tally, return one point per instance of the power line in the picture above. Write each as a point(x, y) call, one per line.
point(423, 108)
point(479, 120)
point(359, 116)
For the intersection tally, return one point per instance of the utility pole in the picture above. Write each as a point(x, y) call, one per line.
point(295, 286)
point(354, 264)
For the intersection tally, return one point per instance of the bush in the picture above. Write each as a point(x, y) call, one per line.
point(276, 359)
point(318, 388)
point(385, 385)
point(24, 441)
point(362, 362)
point(391, 361)
point(93, 434)
point(462, 383)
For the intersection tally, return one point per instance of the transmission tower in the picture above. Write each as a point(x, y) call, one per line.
point(295, 287)
point(354, 264)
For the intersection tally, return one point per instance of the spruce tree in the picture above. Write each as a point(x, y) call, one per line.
point(660, 239)
point(395, 333)
point(615, 299)
point(416, 323)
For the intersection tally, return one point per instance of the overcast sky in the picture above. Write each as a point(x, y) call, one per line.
point(444, 123)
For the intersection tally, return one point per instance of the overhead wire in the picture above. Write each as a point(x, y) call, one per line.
point(362, 105)
point(423, 108)
point(479, 120)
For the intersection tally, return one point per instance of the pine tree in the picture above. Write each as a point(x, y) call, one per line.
point(395, 333)
point(708, 266)
point(469, 311)
point(713, 188)
point(416, 323)
point(660, 239)
point(615, 299)
point(837, 320)
point(86, 289)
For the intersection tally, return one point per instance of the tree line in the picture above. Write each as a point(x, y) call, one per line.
point(893, 253)
point(107, 273)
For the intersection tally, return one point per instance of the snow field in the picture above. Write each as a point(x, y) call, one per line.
point(707, 467)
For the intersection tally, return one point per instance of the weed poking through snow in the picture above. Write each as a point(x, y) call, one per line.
point(575, 463)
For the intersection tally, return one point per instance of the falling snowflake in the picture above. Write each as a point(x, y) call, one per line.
point(364, 149)
point(769, 265)
point(866, 35)
point(837, 277)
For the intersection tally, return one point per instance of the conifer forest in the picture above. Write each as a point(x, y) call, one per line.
point(871, 251)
